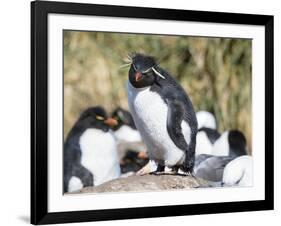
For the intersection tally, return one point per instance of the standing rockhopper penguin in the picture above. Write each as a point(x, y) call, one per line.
point(163, 113)
point(90, 154)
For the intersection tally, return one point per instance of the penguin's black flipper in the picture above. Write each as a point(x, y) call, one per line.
point(174, 120)
point(85, 176)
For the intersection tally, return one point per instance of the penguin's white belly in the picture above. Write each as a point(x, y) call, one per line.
point(221, 145)
point(239, 172)
point(99, 155)
point(203, 144)
point(150, 115)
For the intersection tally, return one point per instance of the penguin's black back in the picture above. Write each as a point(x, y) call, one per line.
point(169, 88)
point(172, 93)
point(237, 143)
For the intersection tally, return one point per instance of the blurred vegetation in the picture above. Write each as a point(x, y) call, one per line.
point(215, 72)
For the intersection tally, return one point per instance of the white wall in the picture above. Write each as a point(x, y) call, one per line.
point(14, 110)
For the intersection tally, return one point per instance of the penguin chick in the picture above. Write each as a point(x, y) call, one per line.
point(163, 114)
point(125, 130)
point(239, 172)
point(90, 155)
point(230, 143)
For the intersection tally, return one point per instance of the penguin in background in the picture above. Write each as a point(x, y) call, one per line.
point(207, 132)
point(231, 143)
point(163, 114)
point(211, 168)
point(132, 162)
point(130, 147)
point(239, 172)
point(205, 140)
point(125, 130)
point(228, 147)
point(206, 119)
point(90, 155)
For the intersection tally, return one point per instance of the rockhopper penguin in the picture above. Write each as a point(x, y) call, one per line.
point(130, 147)
point(125, 130)
point(90, 155)
point(163, 114)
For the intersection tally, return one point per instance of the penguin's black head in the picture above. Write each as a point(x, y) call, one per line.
point(133, 161)
point(123, 117)
point(237, 143)
point(143, 71)
point(96, 117)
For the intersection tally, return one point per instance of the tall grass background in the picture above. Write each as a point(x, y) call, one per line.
point(215, 72)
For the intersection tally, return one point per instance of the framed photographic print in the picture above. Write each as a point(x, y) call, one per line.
point(145, 112)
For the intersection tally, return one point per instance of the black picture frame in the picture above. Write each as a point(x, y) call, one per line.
point(39, 111)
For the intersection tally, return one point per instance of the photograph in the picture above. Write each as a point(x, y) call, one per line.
point(155, 112)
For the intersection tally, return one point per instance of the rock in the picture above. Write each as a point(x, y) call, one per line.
point(146, 183)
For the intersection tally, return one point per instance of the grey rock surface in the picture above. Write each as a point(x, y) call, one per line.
point(146, 183)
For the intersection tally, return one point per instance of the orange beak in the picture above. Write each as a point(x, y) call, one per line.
point(142, 155)
point(111, 122)
point(138, 76)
